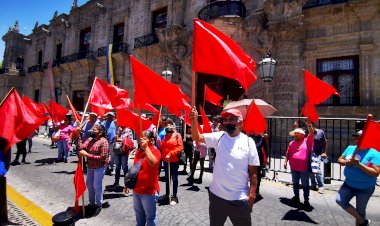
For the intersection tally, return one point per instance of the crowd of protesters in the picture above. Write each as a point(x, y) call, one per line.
point(237, 174)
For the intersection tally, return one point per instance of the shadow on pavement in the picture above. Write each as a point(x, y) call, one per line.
point(64, 172)
point(42, 162)
point(290, 203)
point(193, 188)
point(298, 215)
point(113, 196)
point(258, 198)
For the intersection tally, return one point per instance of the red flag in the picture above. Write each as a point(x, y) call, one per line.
point(58, 112)
point(316, 92)
point(206, 123)
point(147, 83)
point(80, 185)
point(254, 121)
point(18, 120)
point(370, 136)
point(212, 97)
point(216, 53)
point(129, 119)
point(156, 118)
point(47, 109)
point(108, 96)
point(148, 107)
point(98, 110)
point(37, 108)
point(74, 112)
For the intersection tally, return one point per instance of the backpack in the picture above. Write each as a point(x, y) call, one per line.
point(130, 179)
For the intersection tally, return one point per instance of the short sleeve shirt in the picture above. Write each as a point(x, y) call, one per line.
point(319, 139)
point(233, 156)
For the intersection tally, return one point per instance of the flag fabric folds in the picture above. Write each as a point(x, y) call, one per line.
point(108, 96)
point(129, 119)
point(206, 123)
point(147, 83)
point(216, 53)
point(110, 78)
point(58, 112)
point(370, 136)
point(212, 97)
point(254, 121)
point(316, 92)
point(98, 110)
point(73, 110)
point(79, 184)
point(19, 121)
point(37, 108)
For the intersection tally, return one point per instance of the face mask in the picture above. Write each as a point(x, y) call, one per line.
point(230, 128)
point(169, 129)
point(92, 134)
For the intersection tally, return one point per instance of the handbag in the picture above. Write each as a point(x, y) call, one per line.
point(117, 147)
point(181, 155)
point(56, 136)
point(130, 179)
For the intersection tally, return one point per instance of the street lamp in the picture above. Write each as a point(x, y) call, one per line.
point(167, 74)
point(267, 66)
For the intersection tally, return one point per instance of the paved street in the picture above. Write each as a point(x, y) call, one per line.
point(50, 186)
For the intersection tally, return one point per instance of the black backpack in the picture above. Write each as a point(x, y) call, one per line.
point(130, 179)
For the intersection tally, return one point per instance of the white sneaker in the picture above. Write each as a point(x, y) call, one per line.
point(321, 190)
point(172, 203)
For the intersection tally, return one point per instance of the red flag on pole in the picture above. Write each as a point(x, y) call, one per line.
point(370, 136)
point(146, 83)
point(212, 97)
point(80, 185)
point(19, 121)
point(108, 96)
point(47, 109)
point(206, 123)
point(98, 110)
point(74, 112)
point(37, 108)
point(58, 112)
point(148, 107)
point(216, 53)
point(316, 92)
point(254, 121)
point(129, 119)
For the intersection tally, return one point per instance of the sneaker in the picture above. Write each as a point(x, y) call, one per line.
point(174, 201)
point(115, 185)
point(199, 181)
point(313, 187)
point(295, 200)
point(15, 163)
point(190, 179)
point(321, 190)
point(97, 211)
point(365, 223)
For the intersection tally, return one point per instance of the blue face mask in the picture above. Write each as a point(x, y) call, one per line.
point(230, 128)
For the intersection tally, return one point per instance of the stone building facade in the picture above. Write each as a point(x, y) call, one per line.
point(338, 40)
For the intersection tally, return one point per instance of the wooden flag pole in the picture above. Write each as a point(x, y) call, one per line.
point(88, 101)
point(6, 96)
point(140, 120)
point(193, 88)
point(76, 119)
point(159, 118)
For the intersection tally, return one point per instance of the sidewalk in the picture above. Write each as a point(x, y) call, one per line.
point(49, 185)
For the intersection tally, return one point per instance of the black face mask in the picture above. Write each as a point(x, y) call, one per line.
point(169, 130)
point(92, 134)
point(230, 128)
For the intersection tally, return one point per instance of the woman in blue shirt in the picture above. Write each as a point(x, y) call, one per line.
point(361, 172)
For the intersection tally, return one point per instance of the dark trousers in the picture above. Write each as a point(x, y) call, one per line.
point(21, 150)
point(219, 209)
point(174, 176)
point(259, 176)
point(197, 157)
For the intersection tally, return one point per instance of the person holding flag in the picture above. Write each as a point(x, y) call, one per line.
point(361, 171)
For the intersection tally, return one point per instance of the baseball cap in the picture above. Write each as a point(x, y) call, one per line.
point(234, 112)
point(93, 113)
point(358, 133)
point(297, 130)
point(110, 113)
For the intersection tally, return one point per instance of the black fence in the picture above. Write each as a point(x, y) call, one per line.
point(146, 40)
point(222, 9)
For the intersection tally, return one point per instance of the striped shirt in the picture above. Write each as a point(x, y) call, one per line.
point(98, 152)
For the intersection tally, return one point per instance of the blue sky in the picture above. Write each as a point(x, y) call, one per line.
point(27, 12)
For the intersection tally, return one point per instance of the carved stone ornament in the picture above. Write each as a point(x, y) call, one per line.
point(75, 4)
point(16, 27)
point(175, 40)
point(36, 25)
point(55, 14)
point(258, 37)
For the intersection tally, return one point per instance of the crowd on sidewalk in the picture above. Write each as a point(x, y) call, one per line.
point(238, 163)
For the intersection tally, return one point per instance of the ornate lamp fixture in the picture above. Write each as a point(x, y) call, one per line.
point(267, 67)
point(167, 74)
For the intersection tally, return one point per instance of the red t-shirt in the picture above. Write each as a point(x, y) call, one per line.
point(147, 180)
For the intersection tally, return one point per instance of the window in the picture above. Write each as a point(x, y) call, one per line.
point(58, 53)
point(160, 19)
point(39, 58)
point(20, 63)
point(118, 33)
point(85, 39)
point(37, 95)
point(343, 74)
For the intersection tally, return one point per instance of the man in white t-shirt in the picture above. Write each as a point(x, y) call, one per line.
point(233, 188)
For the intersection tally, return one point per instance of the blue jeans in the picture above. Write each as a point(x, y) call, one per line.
point(304, 176)
point(63, 149)
point(346, 193)
point(145, 209)
point(95, 185)
point(319, 176)
point(174, 176)
point(121, 162)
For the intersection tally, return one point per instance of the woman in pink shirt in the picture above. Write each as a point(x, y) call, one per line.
point(298, 154)
point(64, 139)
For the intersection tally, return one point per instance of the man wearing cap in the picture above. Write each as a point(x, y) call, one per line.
point(361, 172)
point(110, 126)
point(298, 155)
point(233, 188)
point(87, 126)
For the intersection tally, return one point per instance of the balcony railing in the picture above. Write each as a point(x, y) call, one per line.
point(316, 3)
point(146, 40)
point(222, 9)
point(120, 47)
point(35, 68)
point(88, 54)
point(4, 70)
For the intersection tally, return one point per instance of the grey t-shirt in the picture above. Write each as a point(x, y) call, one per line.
point(319, 139)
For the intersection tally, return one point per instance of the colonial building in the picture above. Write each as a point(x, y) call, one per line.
point(337, 40)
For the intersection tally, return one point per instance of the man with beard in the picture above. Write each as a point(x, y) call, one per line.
point(235, 165)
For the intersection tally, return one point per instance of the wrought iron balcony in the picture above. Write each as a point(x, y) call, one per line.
point(56, 62)
point(88, 54)
point(120, 47)
point(35, 68)
point(146, 40)
point(222, 9)
point(316, 3)
point(4, 70)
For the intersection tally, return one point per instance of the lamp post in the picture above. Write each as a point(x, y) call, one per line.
point(267, 67)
